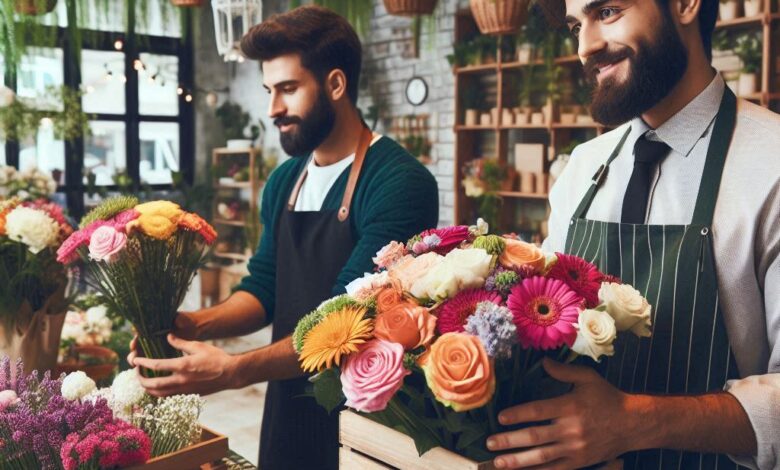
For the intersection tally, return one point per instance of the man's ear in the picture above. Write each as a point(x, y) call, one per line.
point(686, 11)
point(336, 84)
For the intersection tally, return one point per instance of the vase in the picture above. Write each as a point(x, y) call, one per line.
point(752, 7)
point(472, 117)
point(728, 10)
point(35, 337)
point(748, 84)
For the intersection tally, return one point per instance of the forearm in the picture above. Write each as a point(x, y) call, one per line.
point(277, 361)
point(241, 314)
point(714, 422)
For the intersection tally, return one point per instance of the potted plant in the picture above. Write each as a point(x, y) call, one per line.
point(34, 7)
point(581, 94)
point(750, 54)
point(729, 10)
point(499, 16)
point(722, 44)
point(527, 91)
point(235, 121)
point(410, 7)
point(752, 7)
point(22, 117)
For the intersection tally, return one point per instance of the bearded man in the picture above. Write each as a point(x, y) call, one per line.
point(682, 201)
point(325, 213)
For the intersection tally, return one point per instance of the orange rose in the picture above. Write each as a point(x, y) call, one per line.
point(388, 298)
point(459, 371)
point(518, 254)
point(406, 324)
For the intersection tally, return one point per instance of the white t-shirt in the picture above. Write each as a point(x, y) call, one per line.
point(318, 182)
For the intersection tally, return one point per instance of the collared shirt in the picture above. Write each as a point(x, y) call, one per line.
point(746, 231)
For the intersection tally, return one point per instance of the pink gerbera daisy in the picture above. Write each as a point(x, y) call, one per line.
point(582, 277)
point(449, 238)
point(545, 312)
point(454, 313)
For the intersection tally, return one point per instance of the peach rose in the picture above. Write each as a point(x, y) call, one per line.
point(388, 298)
point(409, 269)
point(459, 372)
point(518, 254)
point(406, 324)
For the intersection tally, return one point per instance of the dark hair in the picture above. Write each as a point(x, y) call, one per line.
point(554, 12)
point(324, 40)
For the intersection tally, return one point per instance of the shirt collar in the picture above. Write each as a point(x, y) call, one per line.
point(684, 129)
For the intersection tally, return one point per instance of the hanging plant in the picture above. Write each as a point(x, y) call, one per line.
point(410, 7)
point(499, 16)
point(187, 3)
point(21, 118)
point(357, 12)
point(34, 7)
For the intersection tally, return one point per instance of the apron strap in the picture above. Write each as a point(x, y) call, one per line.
point(360, 155)
point(722, 132)
point(598, 179)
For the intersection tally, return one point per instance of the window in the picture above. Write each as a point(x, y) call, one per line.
point(140, 123)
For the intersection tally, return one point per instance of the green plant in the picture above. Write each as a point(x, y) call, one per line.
point(581, 92)
point(722, 41)
point(235, 120)
point(357, 12)
point(471, 97)
point(530, 87)
point(22, 117)
point(748, 49)
point(196, 197)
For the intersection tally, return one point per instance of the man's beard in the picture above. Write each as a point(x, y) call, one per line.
point(311, 130)
point(654, 70)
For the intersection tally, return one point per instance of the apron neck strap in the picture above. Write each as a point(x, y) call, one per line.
point(599, 178)
point(360, 154)
point(722, 132)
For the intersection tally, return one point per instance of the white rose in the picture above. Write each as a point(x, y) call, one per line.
point(126, 389)
point(596, 334)
point(77, 385)
point(461, 269)
point(626, 305)
point(32, 227)
point(97, 314)
point(369, 281)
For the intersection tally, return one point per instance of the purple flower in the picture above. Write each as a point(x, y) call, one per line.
point(494, 326)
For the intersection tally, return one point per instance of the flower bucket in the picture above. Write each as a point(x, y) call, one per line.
point(364, 442)
point(410, 7)
point(36, 340)
point(499, 16)
point(97, 362)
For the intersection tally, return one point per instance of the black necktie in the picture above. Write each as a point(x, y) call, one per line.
point(647, 154)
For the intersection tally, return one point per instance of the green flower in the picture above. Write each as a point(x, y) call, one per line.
point(493, 244)
point(109, 208)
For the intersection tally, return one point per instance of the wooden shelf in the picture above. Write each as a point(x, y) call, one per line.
point(577, 125)
point(753, 96)
point(236, 185)
point(476, 68)
point(463, 127)
point(235, 223)
point(763, 18)
point(233, 256)
point(565, 60)
point(519, 195)
point(226, 151)
point(525, 126)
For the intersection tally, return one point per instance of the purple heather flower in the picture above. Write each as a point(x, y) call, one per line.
point(494, 326)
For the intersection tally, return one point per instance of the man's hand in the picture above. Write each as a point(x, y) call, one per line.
point(589, 425)
point(204, 369)
point(186, 326)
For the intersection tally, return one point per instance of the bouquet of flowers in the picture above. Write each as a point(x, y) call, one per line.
point(141, 258)
point(44, 425)
point(453, 327)
point(30, 233)
point(28, 185)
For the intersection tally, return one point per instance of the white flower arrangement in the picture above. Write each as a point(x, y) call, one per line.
point(77, 385)
point(33, 228)
point(127, 390)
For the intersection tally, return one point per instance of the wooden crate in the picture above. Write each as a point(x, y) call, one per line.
point(367, 445)
point(201, 456)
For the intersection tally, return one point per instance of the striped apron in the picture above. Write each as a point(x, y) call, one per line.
point(674, 268)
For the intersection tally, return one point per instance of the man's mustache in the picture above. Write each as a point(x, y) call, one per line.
point(603, 58)
point(287, 120)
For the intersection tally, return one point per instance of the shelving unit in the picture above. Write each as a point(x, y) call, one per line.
point(494, 141)
point(246, 191)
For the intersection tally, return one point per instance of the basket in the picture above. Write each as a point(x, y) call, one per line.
point(410, 7)
point(499, 16)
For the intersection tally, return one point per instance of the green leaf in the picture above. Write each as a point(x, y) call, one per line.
point(424, 442)
point(469, 436)
point(453, 421)
point(327, 389)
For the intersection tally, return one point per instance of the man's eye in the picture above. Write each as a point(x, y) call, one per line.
point(575, 30)
point(288, 91)
point(606, 13)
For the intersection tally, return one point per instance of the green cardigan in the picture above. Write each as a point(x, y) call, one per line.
point(396, 197)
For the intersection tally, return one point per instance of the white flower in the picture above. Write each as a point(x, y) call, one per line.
point(461, 269)
point(626, 305)
point(98, 324)
point(596, 334)
point(32, 227)
point(77, 385)
point(73, 328)
point(369, 282)
point(127, 389)
point(482, 226)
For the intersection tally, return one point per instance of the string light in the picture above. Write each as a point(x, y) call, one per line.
point(138, 65)
point(188, 98)
point(119, 44)
point(179, 91)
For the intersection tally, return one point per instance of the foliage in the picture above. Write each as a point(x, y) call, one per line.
point(21, 119)
point(235, 120)
point(749, 51)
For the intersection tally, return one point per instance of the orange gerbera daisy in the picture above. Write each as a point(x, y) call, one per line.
point(339, 334)
point(195, 223)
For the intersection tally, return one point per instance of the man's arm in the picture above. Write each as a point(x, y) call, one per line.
point(241, 314)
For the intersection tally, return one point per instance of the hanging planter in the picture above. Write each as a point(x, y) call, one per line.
point(187, 3)
point(34, 7)
point(410, 7)
point(232, 19)
point(499, 16)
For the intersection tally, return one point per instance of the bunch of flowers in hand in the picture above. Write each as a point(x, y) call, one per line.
point(141, 258)
point(45, 424)
point(30, 234)
point(453, 326)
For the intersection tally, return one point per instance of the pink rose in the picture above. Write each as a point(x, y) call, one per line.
point(370, 378)
point(408, 270)
point(7, 398)
point(105, 243)
point(389, 254)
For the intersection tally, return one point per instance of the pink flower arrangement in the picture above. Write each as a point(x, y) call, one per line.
point(389, 254)
point(371, 377)
point(582, 277)
point(545, 312)
point(105, 243)
point(441, 240)
point(118, 444)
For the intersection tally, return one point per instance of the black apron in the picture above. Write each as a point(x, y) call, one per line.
point(312, 249)
point(673, 267)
